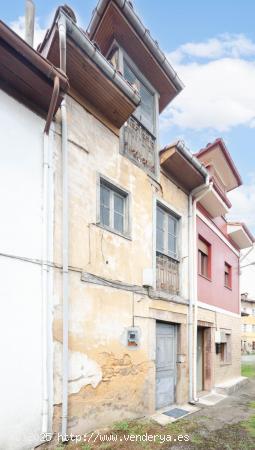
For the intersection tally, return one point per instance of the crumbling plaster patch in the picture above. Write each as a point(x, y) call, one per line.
point(82, 372)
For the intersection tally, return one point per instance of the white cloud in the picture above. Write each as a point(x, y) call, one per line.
point(219, 88)
point(243, 201)
point(225, 45)
point(19, 27)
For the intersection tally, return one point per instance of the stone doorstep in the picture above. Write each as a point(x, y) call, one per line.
point(211, 399)
point(162, 419)
point(230, 386)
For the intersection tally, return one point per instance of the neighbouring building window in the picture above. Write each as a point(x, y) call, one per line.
point(204, 253)
point(253, 311)
point(167, 251)
point(113, 207)
point(253, 328)
point(253, 345)
point(145, 112)
point(228, 276)
point(226, 350)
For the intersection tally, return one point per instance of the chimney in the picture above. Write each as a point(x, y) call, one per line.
point(29, 22)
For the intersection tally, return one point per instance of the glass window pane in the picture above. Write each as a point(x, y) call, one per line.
point(147, 107)
point(118, 203)
point(118, 222)
point(160, 230)
point(104, 196)
point(160, 218)
point(171, 225)
point(105, 215)
point(104, 205)
point(129, 75)
point(160, 240)
point(171, 245)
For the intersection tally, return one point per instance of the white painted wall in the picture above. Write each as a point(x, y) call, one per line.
point(21, 153)
point(248, 273)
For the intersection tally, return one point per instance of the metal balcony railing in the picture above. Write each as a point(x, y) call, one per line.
point(167, 274)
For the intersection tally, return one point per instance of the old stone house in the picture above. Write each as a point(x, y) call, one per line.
point(121, 301)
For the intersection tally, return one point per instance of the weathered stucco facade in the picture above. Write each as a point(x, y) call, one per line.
point(107, 380)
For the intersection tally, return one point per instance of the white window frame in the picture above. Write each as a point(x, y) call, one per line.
point(125, 194)
point(168, 212)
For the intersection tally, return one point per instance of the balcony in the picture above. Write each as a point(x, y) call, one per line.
point(139, 145)
point(167, 274)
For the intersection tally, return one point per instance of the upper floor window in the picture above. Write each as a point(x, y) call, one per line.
point(167, 228)
point(228, 276)
point(145, 112)
point(167, 263)
point(204, 254)
point(253, 311)
point(113, 207)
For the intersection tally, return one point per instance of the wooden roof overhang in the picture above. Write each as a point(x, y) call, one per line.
point(214, 204)
point(115, 24)
point(240, 234)
point(97, 90)
point(217, 155)
point(180, 169)
point(26, 75)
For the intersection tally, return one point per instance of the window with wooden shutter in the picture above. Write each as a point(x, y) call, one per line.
point(228, 276)
point(204, 254)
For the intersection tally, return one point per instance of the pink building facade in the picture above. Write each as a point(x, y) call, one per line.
point(219, 241)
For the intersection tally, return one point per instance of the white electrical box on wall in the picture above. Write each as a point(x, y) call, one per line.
point(217, 337)
point(133, 337)
point(148, 277)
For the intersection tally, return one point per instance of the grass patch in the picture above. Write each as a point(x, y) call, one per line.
point(248, 370)
point(249, 425)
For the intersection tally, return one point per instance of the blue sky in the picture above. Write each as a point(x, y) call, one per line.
point(211, 44)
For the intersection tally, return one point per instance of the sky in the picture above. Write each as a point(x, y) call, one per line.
point(211, 45)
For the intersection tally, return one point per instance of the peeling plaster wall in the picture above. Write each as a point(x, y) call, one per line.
point(20, 286)
point(109, 381)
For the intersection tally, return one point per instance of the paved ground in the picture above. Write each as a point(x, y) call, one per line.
point(229, 425)
point(248, 358)
point(223, 426)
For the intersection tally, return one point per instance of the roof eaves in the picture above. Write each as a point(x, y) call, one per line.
point(228, 157)
point(48, 70)
point(187, 154)
point(152, 45)
point(82, 40)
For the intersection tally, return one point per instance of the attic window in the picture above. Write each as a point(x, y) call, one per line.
point(145, 112)
point(114, 58)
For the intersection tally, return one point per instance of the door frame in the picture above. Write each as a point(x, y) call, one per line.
point(175, 325)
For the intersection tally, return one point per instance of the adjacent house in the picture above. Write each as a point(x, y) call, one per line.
point(117, 257)
point(31, 90)
point(248, 324)
point(219, 243)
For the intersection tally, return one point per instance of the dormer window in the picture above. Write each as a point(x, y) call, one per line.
point(145, 112)
point(138, 138)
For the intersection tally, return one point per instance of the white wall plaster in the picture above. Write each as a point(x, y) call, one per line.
point(82, 371)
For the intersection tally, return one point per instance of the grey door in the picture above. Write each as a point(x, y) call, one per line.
point(165, 364)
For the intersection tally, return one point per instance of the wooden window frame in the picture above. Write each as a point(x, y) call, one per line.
point(228, 271)
point(203, 255)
